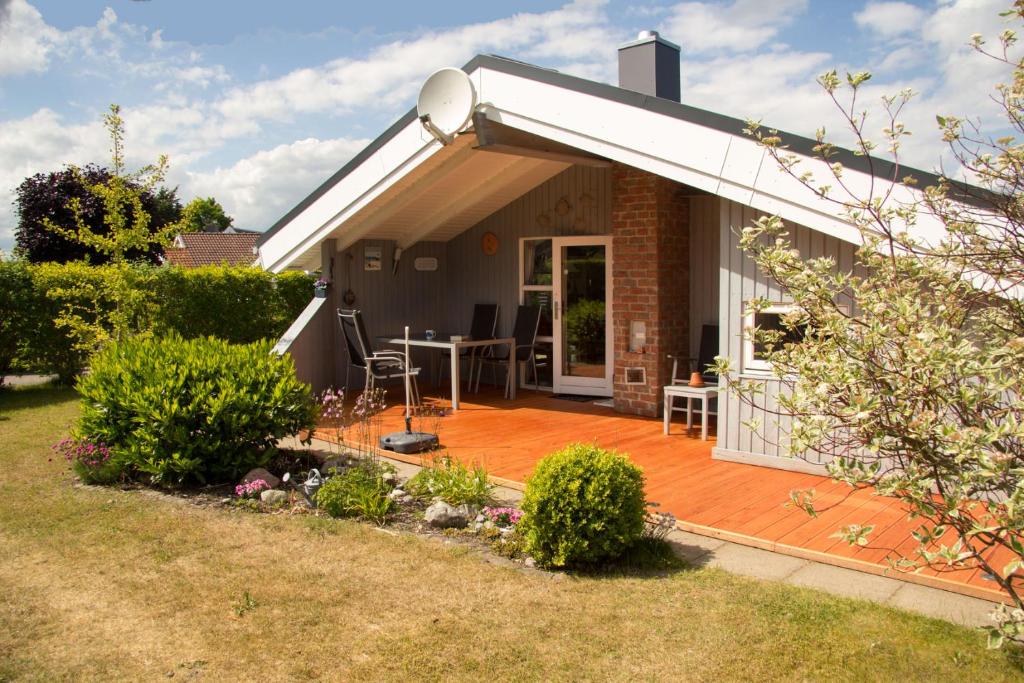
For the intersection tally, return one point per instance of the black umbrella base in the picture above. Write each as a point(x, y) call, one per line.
point(409, 442)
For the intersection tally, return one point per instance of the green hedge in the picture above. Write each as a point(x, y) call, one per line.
point(234, 303)
point(198, 410)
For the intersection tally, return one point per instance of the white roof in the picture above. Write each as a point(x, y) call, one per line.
point(408, 187)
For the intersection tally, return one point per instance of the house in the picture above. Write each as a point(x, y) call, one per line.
point(230, 247)
point(553, 171)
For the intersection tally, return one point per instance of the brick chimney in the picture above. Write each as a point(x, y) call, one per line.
point(650, 65)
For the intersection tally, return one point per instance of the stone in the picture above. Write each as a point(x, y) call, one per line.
point(274, 497)
point(260, 473)
point(333, 463)
point(397, 494)
point(445, 516)
point(389, 478)
point(406, 499)
point(530, 562)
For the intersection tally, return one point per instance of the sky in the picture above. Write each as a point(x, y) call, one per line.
point(257, 102)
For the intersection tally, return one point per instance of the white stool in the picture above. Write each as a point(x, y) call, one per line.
point(703, 394)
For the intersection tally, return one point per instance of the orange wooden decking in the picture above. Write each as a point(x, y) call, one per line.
point(736, 502)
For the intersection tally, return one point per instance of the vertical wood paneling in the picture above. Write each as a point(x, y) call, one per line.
point(741, 281)
point(475, 277)
point(705, 245)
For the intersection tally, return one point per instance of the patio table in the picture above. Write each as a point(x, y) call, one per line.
point(443, 341)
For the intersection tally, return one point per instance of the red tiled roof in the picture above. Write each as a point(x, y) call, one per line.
point(212, 249)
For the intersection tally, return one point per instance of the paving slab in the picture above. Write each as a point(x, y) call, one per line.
point(845, 582)
point(694, 549)
point(760, 564)
point(932, 602)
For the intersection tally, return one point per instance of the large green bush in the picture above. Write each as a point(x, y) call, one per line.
point(17, 302)
point(199, 410)
point(235, 303)
point(582, 506)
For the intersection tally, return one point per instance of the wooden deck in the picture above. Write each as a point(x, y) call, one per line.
point(735, 502)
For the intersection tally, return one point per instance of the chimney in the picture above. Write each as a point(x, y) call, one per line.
point(650, 64)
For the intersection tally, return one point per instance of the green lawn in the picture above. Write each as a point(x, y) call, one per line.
point(106, 584)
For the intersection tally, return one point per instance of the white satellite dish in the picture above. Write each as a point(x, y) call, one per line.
point(446, 103)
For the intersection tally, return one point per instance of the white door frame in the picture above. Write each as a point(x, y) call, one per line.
point(589, 386)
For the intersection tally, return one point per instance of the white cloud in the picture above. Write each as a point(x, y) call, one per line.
point(261, 188)
point(390, 75)
point(889, 19)
point(740, 26)
point(26, 41)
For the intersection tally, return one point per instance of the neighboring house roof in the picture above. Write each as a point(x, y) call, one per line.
point(195, 249)
point(406, 186)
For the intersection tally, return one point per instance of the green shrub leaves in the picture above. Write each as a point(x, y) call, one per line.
point(583, 505)
point(199, 410)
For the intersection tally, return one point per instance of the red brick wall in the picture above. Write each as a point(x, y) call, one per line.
point(650, 278)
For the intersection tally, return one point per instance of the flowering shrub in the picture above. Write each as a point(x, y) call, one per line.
point(92, 461)
point(251, 489)
point(503, 516)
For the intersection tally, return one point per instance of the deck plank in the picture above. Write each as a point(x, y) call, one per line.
point(744, 503)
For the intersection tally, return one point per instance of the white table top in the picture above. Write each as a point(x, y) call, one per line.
point(684, 389)
point(443, 341)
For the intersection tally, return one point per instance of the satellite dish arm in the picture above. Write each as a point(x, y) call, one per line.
point(438, 134)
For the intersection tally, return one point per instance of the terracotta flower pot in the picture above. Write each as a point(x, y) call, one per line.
point(696, 380)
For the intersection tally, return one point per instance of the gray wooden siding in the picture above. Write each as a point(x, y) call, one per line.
point(740, 281)
point(475, 277)
point(704, 266)
point(389, 301)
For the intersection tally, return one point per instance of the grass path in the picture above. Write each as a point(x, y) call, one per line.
point(110, 585)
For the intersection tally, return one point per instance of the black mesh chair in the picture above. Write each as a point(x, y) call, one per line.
point(482, 326)
point(376, 365)
point(525, 333)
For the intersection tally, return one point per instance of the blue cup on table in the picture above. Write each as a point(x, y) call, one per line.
point(430, 334)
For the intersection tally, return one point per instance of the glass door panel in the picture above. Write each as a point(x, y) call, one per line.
point(584, 328)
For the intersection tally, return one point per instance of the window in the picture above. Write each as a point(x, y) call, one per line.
point(770, 318)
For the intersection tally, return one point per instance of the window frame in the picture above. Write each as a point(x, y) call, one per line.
point(750, 363)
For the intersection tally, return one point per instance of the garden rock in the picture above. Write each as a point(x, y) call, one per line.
point(260, 473)
point(397, 494)
point(441, 514)
point(334, 463)
point(273, 497)
point(389, 478)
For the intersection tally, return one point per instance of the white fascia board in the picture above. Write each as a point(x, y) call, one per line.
point(715, 161)
point(396, 158)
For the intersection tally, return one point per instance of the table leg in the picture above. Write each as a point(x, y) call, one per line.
point(455, 377)
point(513, 378)
point(704, 419)
point(689, 413)
point(668, 411)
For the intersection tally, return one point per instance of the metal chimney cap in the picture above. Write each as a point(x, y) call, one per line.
point(649, 36)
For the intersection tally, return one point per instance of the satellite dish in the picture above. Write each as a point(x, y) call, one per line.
point(446, 103)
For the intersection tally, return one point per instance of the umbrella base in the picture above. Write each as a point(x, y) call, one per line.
point(409, 442)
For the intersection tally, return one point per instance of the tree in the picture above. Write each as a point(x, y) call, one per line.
point(127, 230)
point(911, 365)
point(47, 196)
point(205, 213)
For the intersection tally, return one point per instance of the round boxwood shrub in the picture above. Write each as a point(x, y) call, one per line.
point(191, 410)
point(583, 505)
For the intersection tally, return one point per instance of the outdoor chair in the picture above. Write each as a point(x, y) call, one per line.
point(482, 326)
point(376, 365)
point(525, 333)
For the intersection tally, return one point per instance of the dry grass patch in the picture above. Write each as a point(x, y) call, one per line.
point(107, 584)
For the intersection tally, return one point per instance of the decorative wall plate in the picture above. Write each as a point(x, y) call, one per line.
point(489, 243)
